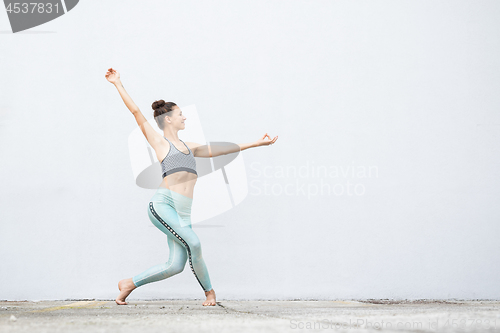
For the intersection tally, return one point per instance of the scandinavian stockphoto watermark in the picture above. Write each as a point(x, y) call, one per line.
point(310, 179)
point(24, 15)
point(460, 323)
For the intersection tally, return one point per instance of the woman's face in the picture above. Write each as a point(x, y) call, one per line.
point(177, 119)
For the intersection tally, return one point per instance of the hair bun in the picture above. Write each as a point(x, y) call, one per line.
point(158, 104)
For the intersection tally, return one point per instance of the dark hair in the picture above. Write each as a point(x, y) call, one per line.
point(162, 109)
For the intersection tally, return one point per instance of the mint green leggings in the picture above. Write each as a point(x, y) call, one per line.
point(171, 213)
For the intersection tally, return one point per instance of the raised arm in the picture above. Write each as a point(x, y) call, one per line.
point(217, 149)
point(153, 137)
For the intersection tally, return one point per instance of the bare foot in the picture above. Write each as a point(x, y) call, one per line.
point(210, 298)
point(125, 286)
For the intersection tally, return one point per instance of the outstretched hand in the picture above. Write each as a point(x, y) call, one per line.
point(263, 142)
point(112, 75)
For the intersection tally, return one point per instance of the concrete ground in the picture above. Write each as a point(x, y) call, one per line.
point(250, 316)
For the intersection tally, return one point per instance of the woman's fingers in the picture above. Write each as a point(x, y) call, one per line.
point(111, 74)
point(270, 141)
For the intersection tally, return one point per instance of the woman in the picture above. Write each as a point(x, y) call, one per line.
point(170, 207)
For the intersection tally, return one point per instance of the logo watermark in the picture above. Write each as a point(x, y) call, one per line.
point(24, 15)
point(221, 182)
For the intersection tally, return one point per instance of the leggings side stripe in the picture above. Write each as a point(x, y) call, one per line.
point(153, 211)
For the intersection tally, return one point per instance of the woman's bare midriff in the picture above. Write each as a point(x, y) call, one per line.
point(181, 182)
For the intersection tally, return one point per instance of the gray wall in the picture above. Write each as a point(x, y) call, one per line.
point(396, 100)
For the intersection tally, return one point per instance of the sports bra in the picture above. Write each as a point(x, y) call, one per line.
point(176, 161)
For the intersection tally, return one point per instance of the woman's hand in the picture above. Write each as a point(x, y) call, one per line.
point(112, 76)
point(263, 142)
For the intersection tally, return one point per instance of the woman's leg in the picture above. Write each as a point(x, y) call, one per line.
point(175, 264)
point(177, 227)
point(166, 218)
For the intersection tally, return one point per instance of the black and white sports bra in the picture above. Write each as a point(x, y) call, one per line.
point(176, 161)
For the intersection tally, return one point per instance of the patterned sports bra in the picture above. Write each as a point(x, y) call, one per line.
point(176, 161)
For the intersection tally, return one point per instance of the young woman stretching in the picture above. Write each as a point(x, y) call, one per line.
point(170, 207)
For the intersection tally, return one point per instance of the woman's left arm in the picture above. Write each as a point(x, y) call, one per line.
point(214, 150)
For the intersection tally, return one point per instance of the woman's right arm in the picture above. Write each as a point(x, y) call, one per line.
point(154, 138)
point(126, 97)
point(114, 77)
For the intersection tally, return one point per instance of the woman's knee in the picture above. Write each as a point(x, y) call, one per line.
point(177, 267)
point(195, 249)
point(179, 260)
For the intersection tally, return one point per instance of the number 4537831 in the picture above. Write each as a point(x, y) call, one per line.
point(32, 7)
